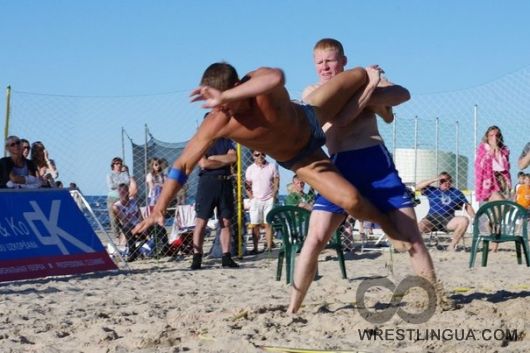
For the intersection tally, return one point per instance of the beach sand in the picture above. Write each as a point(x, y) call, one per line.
point(161, 306)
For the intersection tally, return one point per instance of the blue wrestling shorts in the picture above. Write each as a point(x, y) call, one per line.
point(317, 138)
point(372, 171)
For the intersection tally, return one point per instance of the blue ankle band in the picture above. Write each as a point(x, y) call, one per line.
point(177, 175)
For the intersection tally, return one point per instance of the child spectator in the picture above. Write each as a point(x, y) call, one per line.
point(155, 180)
point(523, 193)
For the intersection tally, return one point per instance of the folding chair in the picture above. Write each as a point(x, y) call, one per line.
point(181, 234)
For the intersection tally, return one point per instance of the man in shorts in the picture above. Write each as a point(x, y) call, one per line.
point(444, 200)
point(358, 151)
point(262, 181)
point(215, 191)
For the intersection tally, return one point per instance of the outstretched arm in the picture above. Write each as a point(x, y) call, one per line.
point(183, 166)
point(259, 82)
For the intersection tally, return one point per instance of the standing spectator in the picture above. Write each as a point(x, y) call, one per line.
point(116, 177)
point(492, 167)
point(524, 159)
point(297, 196)
point(46, 169)
point(16, 171)
point(25, 148)
point(215, 190)
point(155, 180)
point(523, 193)
point(443, 201)
point(262, 181)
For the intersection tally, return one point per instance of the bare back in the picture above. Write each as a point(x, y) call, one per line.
point(270, 123)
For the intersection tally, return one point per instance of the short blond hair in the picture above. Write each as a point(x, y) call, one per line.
point(329, 43)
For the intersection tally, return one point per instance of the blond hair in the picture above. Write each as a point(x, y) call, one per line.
point(329, 43)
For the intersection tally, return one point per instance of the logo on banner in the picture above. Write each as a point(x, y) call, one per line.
point(55, 235)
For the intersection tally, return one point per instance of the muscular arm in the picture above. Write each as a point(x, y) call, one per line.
point(193, 152)
point(259, 82)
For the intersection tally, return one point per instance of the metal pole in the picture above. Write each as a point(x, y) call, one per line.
point(123, 144)
point(475, 129)
point(146, 191)
point(8, 115)
point(240, 207)
point(437, 142)
point(415, 149)
point(394, 132)
point(457, 157)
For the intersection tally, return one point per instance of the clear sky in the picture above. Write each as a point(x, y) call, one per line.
point(121, 48)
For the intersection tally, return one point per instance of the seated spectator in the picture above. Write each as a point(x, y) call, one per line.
point(297, 196)
point(16, 171)
point(520, 181)
point(443, 201)
point(46, 169)
point(26, 148)
point(59, 184)
point(523, 193)
point(127, 214)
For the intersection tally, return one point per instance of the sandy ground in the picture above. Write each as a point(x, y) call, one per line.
point(161, 306)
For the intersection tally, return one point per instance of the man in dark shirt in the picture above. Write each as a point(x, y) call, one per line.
point(215, 190)
point(444, 200)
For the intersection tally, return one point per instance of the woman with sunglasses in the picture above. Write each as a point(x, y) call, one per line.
point(16, 171)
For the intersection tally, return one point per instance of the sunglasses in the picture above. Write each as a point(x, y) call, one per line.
point(445, 181)
point(13, 144)
point(258, 155)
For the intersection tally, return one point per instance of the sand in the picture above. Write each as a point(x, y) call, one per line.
point(161, 306)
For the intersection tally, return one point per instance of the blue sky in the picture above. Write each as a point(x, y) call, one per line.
point(122, 48)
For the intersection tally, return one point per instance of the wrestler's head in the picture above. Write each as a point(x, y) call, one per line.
point(221, 76)
point(329, 58)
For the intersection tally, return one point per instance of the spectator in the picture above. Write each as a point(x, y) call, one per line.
point(59, 184)
point(133, 186)
point(523, 193)
point(46, 169)
point(297, 196)
point(25, 148)
point(127, 214)
point(262, 181)
point(16, 171)
point(492, 167)
point(116, 177)
point(524, 159)
point(443, 201)
point(155, 180)
point(520, 181)
point(215, 190)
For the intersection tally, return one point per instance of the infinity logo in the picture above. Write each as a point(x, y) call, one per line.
point(378, 317)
